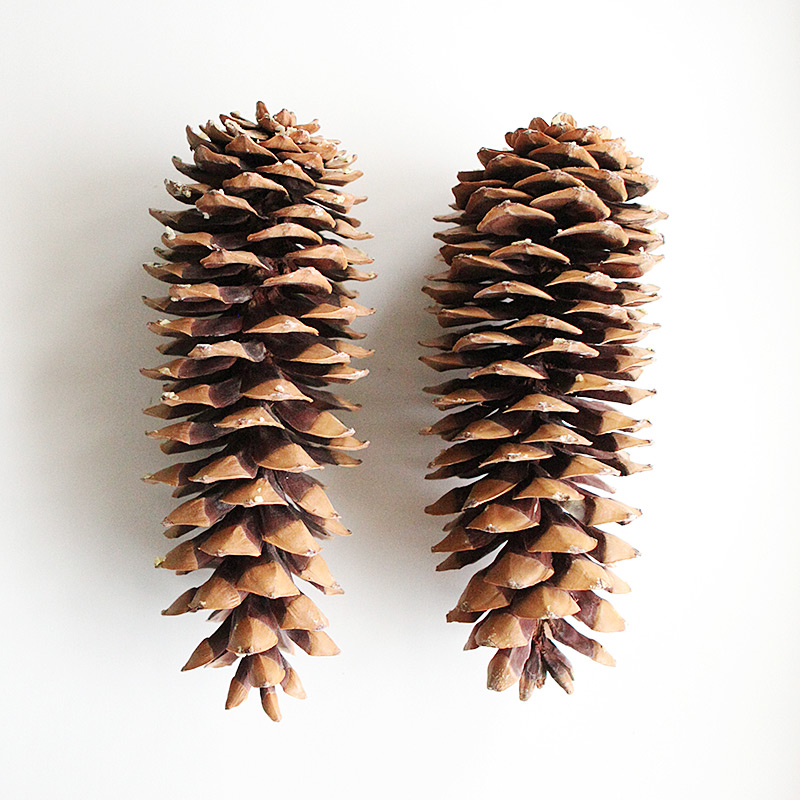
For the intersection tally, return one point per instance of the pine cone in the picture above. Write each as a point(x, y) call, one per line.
point(261, 323)
point(543, 268)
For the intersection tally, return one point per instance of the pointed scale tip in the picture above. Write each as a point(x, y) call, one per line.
point(201, 656)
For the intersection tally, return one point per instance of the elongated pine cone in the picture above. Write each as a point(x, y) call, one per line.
point(542, 285)
point(255, 268)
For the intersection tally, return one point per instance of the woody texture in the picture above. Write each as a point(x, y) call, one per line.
point(542, 292)
point(256, 264)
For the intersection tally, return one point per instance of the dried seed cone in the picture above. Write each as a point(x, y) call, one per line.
point(259, 324)
point(543, 295)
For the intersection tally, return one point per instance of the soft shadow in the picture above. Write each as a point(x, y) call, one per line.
point(388, 561)
point(84, 411)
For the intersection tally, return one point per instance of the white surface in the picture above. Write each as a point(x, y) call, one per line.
point(704, 702)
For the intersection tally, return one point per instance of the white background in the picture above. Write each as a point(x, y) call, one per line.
point(704, 700)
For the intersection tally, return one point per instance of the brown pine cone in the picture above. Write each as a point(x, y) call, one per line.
point(255, 268)
point(542, 287)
